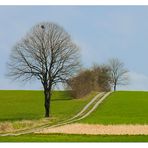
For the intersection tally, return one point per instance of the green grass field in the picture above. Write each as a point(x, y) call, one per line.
point(121, 107)
point(28, 105)
point(74, 138)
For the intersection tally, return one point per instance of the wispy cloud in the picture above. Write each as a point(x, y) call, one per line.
point(137, 81)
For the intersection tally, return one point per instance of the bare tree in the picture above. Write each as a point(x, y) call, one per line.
point(96, 78)
point(46, 53)
point(118, 74)
point(101, 72)
point(81, 84)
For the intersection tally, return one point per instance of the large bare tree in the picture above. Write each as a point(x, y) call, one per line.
point(46, 53)
point(118, 73)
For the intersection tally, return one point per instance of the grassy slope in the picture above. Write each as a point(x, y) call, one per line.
point(24, 105)
point(121, 108)
point(74, 138)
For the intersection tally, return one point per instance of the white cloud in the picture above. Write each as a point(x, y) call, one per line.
point(137, 81)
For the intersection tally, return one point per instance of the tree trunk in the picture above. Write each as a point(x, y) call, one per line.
point(115, 87)
point(47, 94)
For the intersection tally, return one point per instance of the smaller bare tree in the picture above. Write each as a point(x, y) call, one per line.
point(118, 73)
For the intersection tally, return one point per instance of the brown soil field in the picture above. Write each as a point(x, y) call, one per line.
point(95, 129)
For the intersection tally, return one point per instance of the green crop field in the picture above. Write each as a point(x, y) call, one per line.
point(74, 138)
point(28, 105)
point(122, 107)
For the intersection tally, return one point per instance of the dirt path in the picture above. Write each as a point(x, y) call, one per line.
point(84, 114)
point(98, 129)
point(87, 106)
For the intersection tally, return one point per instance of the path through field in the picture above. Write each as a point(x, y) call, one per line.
point(92, 129)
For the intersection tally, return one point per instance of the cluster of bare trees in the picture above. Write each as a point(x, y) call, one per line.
point(99, 78)
point(48, 54)
point(94, 79)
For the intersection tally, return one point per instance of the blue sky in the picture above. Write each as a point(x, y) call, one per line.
point(102, 32)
